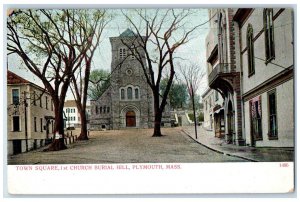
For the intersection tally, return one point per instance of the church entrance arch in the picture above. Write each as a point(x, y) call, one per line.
point(130, 119)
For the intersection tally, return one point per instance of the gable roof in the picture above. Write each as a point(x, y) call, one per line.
point(12, 78)
point(127, 33)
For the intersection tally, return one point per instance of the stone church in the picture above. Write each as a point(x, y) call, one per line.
point(128, 102)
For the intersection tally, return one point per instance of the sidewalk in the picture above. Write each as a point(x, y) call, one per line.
point(261, 154)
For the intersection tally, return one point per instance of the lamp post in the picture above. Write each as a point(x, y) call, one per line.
point(25, 119)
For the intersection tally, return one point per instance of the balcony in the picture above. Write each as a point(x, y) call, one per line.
point(221, 76)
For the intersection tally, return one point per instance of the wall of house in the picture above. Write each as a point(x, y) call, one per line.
point(285, 118)
point(209, 102)
point(263, 72)
point(40, 113)
point(283, 47)
point(35, 139)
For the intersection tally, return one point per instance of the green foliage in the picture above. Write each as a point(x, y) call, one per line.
point(99, 82)
point(197, 104)
point(200, 117)
point(178, 94)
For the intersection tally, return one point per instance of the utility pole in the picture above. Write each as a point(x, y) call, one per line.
point(195, 119)
point(25, 118)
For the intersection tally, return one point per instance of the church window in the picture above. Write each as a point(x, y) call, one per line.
point(96, 109)
point(122, 53)
point(250, 49)
point(136, 93)
point(129, 93)
point(107, 109)
point(104, 109)
point(269, 34)
point(122, 94)
point(100, 110)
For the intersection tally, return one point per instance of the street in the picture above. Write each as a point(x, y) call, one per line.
point(127, 146)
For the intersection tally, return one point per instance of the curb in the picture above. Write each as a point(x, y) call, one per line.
point(218, 151)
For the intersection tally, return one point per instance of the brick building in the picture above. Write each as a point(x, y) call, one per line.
point(223, 68)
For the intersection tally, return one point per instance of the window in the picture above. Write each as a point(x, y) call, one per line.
point(122, 53)
point(46, 98)
point(96, 109)
point(122, 94)
point(35, 126)
point(250, 50)
point(256, 126)
point(272, 115)
point(104, 109)
point(16, 123)
point(107, 109)
point(269, 34)
point(41, 124)
point(15, 96)
point(100, 110)
point(136, 93)
point(34, 97)
point(129, 93)
point(41, 101)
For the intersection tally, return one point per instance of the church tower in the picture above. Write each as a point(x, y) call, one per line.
point(131, 96)
point(128, 102)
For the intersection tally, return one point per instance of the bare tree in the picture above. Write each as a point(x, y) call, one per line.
point(49, 44)
point(192, 75)
point(159, 33)
point(92, 22)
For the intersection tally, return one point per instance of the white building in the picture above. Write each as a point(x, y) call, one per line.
point(71, 114)
point(30, 115)
point(267, 59)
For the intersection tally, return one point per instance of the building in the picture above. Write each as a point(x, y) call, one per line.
point(224, 75)
point(267, 60)
point(128, 102)
point(71, 113)
point(213, 112)
point(30, 115)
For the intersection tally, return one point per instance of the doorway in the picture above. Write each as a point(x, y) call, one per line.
point(130, 119)
point(17, 146)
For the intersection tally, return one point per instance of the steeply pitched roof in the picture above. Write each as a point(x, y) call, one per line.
point(12, 78)
point(127, 33)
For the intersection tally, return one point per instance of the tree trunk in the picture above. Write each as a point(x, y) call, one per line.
point(58, 141)
point(83, 134)
point(157, 117)
point(157, 125)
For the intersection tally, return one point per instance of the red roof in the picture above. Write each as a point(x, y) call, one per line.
point(12, 78)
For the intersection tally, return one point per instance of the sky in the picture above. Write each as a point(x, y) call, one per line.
point(194, 51)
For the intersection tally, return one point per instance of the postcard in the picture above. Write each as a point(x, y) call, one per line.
point(150, 100)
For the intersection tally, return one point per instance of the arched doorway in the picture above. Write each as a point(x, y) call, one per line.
point(130, 119)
